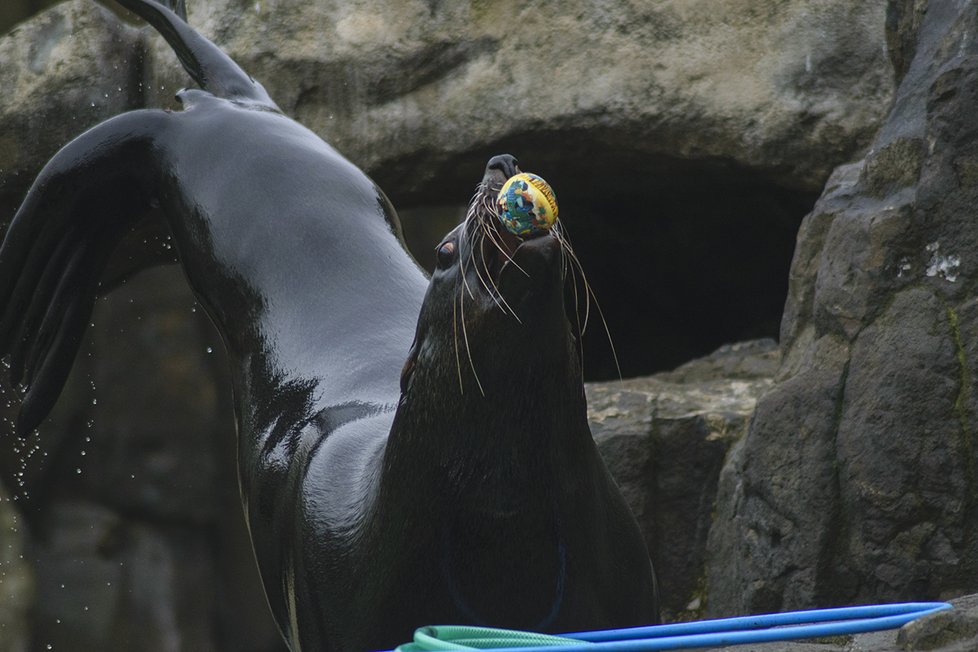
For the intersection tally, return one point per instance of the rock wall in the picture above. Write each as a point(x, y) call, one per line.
point(136, 533)
point(17, 594)
point(64, 71)
point(405, 87)
point(665, 439)
point(857, 478)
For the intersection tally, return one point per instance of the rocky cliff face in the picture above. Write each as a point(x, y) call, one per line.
point(404, 88)
point(856, 480)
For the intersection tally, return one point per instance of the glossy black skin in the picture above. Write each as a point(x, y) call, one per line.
point(378, 501)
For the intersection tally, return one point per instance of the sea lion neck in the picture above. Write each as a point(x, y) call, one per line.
point(530, 422)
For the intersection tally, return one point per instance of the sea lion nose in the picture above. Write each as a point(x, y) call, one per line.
point(505, 163)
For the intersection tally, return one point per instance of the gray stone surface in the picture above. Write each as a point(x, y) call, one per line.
point(63, 71)
point(105, 582)
point(951, 631)
point(787, 88)
point(955, 630)
point(16, 579)
point(664, 439)
point(137, 533)
point(792, 88)
point(856, 480)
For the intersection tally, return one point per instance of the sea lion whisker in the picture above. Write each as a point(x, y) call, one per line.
point(490, 206)
point(463, 268)
point(486, 284)
point(485, 229)
point(588, 292)
point(492, 291)
point(495, 293)
point(569, 267)
point(590, 296)
point(577, 304)
point(471, 213)
point(458, 360)
point(577, 312)
point(607, 332)
point(468, 349)
point(466, 258)
point(564, 258)
point(482, 270)
point(465, 284)
point(494, 238)
point(475, 243)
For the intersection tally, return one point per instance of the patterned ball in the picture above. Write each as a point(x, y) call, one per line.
point(527, 205)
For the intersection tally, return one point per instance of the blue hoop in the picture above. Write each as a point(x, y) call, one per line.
point(786, 626)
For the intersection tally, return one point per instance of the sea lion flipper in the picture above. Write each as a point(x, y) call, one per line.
point(210, 67)
point(79, 207)
point(54, 354)
point(21, 339)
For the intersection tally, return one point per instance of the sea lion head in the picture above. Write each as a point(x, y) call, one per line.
point(497, 341)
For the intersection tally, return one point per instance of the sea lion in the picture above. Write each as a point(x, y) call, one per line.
point(462, 485)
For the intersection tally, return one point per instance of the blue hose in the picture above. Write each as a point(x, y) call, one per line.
point(786, 626)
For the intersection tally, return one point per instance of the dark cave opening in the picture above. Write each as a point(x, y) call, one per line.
point(684, 256)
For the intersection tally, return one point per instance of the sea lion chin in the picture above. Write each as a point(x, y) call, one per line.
point(494, 299)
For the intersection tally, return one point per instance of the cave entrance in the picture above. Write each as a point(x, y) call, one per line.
point(684, 256)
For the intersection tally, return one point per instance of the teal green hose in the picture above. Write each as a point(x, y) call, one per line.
point(460, 637)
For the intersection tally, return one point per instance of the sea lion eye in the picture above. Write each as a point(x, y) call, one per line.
point(446, 254)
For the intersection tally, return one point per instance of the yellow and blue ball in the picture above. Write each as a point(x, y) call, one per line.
point(527, 205)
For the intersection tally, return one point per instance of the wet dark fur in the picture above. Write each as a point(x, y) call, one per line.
point(471, 493)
